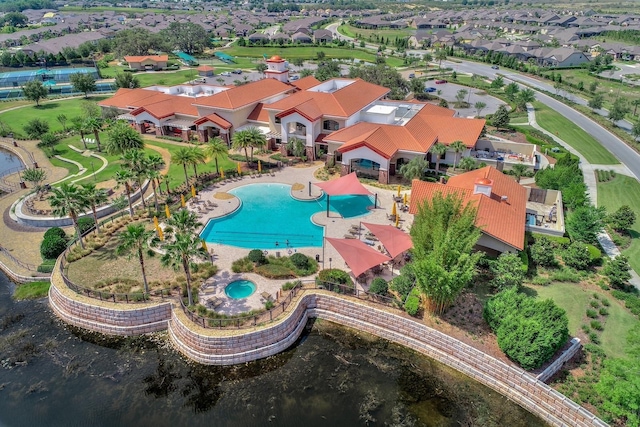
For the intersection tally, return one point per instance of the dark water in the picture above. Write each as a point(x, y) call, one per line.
point(9, 162)
point(51, 375)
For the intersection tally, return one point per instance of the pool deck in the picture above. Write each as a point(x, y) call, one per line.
point(335, 226)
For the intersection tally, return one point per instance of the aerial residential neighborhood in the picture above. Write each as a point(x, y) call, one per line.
point(320, 213)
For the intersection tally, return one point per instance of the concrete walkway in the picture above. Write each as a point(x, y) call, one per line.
point(588, 170)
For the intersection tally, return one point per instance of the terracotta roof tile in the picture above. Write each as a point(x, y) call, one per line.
point(306, 82)
point(259, 114)
point(503, 220)
point(214, 118)
point(157, 58)
point(240, 96)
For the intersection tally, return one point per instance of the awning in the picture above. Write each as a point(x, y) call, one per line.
point(358, 256)
point(345, 185)
point(177, 123)
point(276, 135)
point(127, 117)
point(394, 241)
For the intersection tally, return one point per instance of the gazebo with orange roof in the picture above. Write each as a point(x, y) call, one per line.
point(205, 71)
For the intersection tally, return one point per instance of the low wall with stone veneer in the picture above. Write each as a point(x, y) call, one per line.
point(207, 347)
point(105, 317)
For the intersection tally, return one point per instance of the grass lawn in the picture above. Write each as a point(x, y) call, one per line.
point(591, 149)
point(16, 119)
point(351, 31)
point(166, 78)
point(575, 300)
point(31, 290)
point(623, 190)
point(6, 105)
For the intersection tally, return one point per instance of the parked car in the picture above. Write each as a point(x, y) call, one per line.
point(225, 74)
point(237, 71)
point(495, 67)
point(292, 78)
point(429, 89)
point(412, 76)
point(439, 82)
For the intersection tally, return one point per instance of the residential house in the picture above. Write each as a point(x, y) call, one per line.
point(147, 62)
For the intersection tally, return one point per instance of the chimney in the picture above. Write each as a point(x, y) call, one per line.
point(483, 186)
point(504, 198)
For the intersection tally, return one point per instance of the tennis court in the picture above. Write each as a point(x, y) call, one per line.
point(56, 90)
point(58, 75)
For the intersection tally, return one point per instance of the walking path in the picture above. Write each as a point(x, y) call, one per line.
point(588, 170)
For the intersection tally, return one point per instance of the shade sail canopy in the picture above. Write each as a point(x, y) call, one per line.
point(358, 256)
point(345, 185)
point(394, 241)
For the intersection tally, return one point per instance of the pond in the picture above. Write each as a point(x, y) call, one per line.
point(9, 163)
point(54, 375)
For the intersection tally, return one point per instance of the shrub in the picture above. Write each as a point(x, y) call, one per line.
point(577, 256)
point(45, 268)
point(53, 246)
point(596, 324)
point(617, 271)
point(594, 304)
point(632, 302)
point(275, 271)
point(290, 285)
point(594, 338)
point(592, 313)
point(412, 305)
point(256, 256)
point(586, 329)
point(242, 265)
point(541, 281)
point(565, 275)
point(528, 331)
point(55, 232)
point(301, 261)
point(595, 256)
point(605, 302)
point(542, 252)
point(603, 312)
point(379, 286)
point(507, 271)
point(403, 283)
point(85, 224)
point(335, 276)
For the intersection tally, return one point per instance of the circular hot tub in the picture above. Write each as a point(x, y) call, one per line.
point(239, 289)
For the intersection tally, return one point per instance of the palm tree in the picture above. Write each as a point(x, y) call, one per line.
point(155, 162)
point(183, 157)
point(121, 137)
point(69, 200)
point(241, 140)
point(439, 149)
point(124, 177)
point(257, 139)
point(184, 221)
point(457, 147)
point(138, 238)
point(178, 253)
point(153, 175)
point(197, 156)
point(80, 126)
point(164, 179)
point(518, 171)
point(94, 124)
point(441, 54)
point(414, 169)
point(467, 164)
point(95, 197)
point(523, 97)
point(136, 162)
point(216, 148)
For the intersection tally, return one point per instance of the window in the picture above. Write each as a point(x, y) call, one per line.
point(277, 119)
point(330, 125)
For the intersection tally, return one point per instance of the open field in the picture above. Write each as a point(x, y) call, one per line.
point(6, 105)
point(574, 298)
point(358, 33)
point(623, 190)
point(591, 149)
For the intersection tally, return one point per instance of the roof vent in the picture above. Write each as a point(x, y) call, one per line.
point(504, 198)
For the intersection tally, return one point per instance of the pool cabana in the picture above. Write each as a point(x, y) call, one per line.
point(358, 256)
point(347, 185)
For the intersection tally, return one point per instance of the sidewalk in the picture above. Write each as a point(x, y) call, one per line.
point(588, 170)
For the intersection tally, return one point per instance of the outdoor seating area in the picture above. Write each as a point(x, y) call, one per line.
point(544, 212)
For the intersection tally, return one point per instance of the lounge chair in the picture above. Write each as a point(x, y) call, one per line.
point(214, 302)
point(369, 242)
point(350, 236)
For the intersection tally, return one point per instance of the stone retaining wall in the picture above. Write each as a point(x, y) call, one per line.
point(557, 364)
point(516, 384)
point(102, 317)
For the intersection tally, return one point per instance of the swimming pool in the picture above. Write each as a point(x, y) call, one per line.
point(239, 289)
point(269, 218)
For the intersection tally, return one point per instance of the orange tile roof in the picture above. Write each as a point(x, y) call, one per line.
point(214, 118)
point(386, 140)
point(205, 68)
point(241, 96)
point(157, 58)
point(452, 129)
point(306, 82)
point(168, 107)
point(259, 114)
point(502, 220)
point(308, 109)
point(343, 102)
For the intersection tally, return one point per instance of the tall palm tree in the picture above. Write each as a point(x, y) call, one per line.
point(94, 124)
point(241, 140)
point(414, 169)
point(69, 200)
point(153, 175)
point(138, 238)
point(216, 148)
point(179, 252)
point(135, 161)
point(184, 221)
point(439, 149)
point(467, 164)
point(457, 147)
point(518, 171)
point(197, 157)
point(155, 162)
point(124, 177)
point(95, 197)
point(164, 179)
point(80, 125)
point(257, 139)
point(183, 157)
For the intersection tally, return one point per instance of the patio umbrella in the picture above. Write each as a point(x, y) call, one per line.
point(166, 211)
point(182, 200)
point(221, 173)
point(405, 198)
point(259, 166)
point(160, 234)
point(193, 191)
point(204, 246)
point(155, 221)
point(397, 220)
point(239, 169)
point(394, 210)
point(398, 191)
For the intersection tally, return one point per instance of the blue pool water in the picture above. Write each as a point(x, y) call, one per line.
point(239, 289)
point(269, 218)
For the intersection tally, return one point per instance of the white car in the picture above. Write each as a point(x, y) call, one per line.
point(226, 74)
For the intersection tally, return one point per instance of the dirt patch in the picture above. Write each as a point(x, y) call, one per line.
point(223, 196)
point(297, 187)
point(510, 135)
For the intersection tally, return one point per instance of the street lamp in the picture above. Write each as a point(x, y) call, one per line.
point(93, 171)
point(330, 263)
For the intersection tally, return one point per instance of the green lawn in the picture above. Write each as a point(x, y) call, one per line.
point(588, 146)
point(623, 190)
point(166, 78)
point(359, 33)
point(575, 300)
point(31, 290)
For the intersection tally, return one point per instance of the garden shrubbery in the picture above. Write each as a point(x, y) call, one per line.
point(412, 305)
point(335, 276)
point(379, 286)
point(528, 331)
point(298, 265)
point(54, 242)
